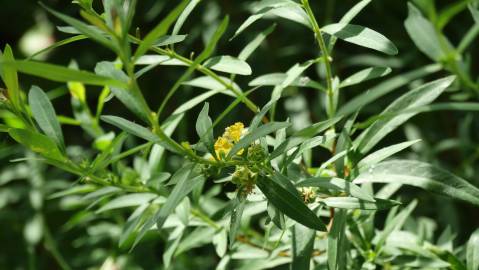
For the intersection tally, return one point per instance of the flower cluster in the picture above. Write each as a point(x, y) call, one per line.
point(231, 136)
point(244, 178)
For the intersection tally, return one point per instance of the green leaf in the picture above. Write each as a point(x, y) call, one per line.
point(228, 64)
point(348, 17)
point(61, 74)
point(337, 184)
point(317, 128)
point(195, 101)
point(127, 200)
point(355, 203)
point(236, 214)
point(365, 75)
point(289, 204)
point(152, 60)
point(254, 44)
point(9, 75)
point(422, 175)
point(204, 127)
point(58, 44)
point(307, 144)
point(207, 82)
point(475, 15)
point(132, 223)
point(337, 241)
point(185, 183)
point(287, 9)
point(423, 33)
point(383, 153)
point(44, 114)
point(303, 244)
point(87, 30)
point(276, 216)
point(38, 143)
point(385, 87)
point(260, 115)
point(256, 134)
point(361, 36)
point(450, 12)
point(303, 138)
point(157, 151)
point(276, 79)
point(130, 127)
point(159, 30)
point(420, 96)
point(168, 40)
point(394, 224)
point(211, 45)
point(137, 130)
point(472, 253)
point(220, 240)
point(184, 15)
point(291, 75)
point(354, 11)
point(130, 99)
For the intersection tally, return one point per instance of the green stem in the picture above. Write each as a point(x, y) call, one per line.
point(325, 54)
point(51, 245)
point(250, 104)
point(197, 213)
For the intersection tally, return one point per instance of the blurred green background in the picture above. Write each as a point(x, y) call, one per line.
point(86, 240)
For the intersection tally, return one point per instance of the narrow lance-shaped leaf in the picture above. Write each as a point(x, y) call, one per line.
point(383, 153)
point(361, 36)
point(420, 96)
point(355, 203)
point(128, 200)
point(184, 185)
point(251, 47)
point(474, 12)
point(38, 143)
point(423, 34)
point(131, 99)
point(337, 184)
point(289, 204)
point(284, 8)
point(386, 87)
point(44, 114)
point(88, 30)
point(9, 75)
point(472, 253)
point(203, 55)
point(291, 75)
point(348, 17)
point(159, 30)
point(256, 134)
point(236, 214)
point(394, 224)
point(203, 127)
point(61, 74)
point(303, 244)
point(139, 131)
point(228, 64)
point(336, 241)
point(184, 15)
point(422, 175)
point(365, 75)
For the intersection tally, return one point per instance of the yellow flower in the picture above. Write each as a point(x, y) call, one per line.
point(222, 147)
point(234, 132)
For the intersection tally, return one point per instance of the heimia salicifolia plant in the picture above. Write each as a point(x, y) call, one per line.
point(286, 207)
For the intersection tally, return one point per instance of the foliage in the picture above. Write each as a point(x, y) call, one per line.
point(270, 190)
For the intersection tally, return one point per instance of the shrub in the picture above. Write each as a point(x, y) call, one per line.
point(272, 190)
